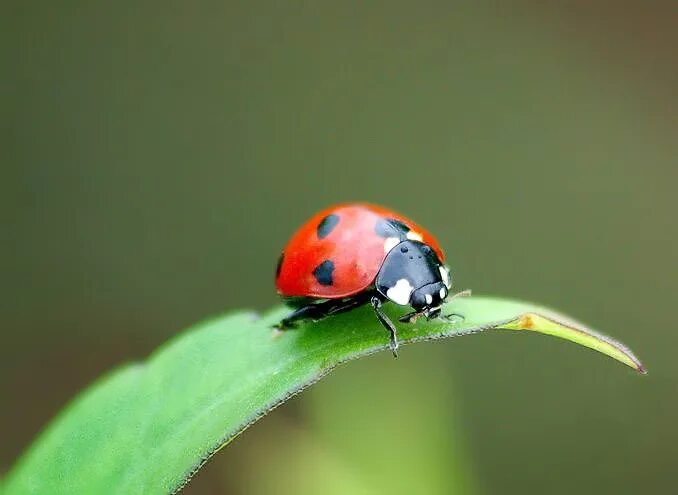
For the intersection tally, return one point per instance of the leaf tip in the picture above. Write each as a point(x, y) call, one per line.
point(556, 325)
point(640, 368)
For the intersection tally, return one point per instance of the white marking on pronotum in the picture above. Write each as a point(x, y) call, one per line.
point(400, 292)
point(390, 243)
point(414, 236)
point(443, 293)
point(429, 298)
point(445, 274)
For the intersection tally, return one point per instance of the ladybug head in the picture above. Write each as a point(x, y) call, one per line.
point(412, 274)
point(428, 296)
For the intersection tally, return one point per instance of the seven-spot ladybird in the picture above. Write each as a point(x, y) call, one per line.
point(352, 254)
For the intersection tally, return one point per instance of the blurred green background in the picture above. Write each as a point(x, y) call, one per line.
point(156, 157)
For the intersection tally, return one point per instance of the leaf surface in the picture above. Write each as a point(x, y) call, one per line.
point(147, 428)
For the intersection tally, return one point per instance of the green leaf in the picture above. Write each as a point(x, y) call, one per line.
point(147, 428)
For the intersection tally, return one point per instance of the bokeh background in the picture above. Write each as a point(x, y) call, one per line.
point(156, 156)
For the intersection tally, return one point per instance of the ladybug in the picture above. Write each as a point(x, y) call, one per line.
point(358, 253)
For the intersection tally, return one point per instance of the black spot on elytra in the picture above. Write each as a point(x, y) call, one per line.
point(323, 272)
point(327, 225)
point(390, 227)
point(279, 265)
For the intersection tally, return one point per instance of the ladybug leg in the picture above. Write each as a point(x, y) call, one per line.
point(455, 317)
point(309, 312)
point(411, 317)
point(318, 311)
point(388, 324)
point(429, 314)
point(345, 305)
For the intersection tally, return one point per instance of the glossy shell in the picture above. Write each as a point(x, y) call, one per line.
point(339, 251)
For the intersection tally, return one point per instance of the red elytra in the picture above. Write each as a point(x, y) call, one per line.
point(349, 239)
